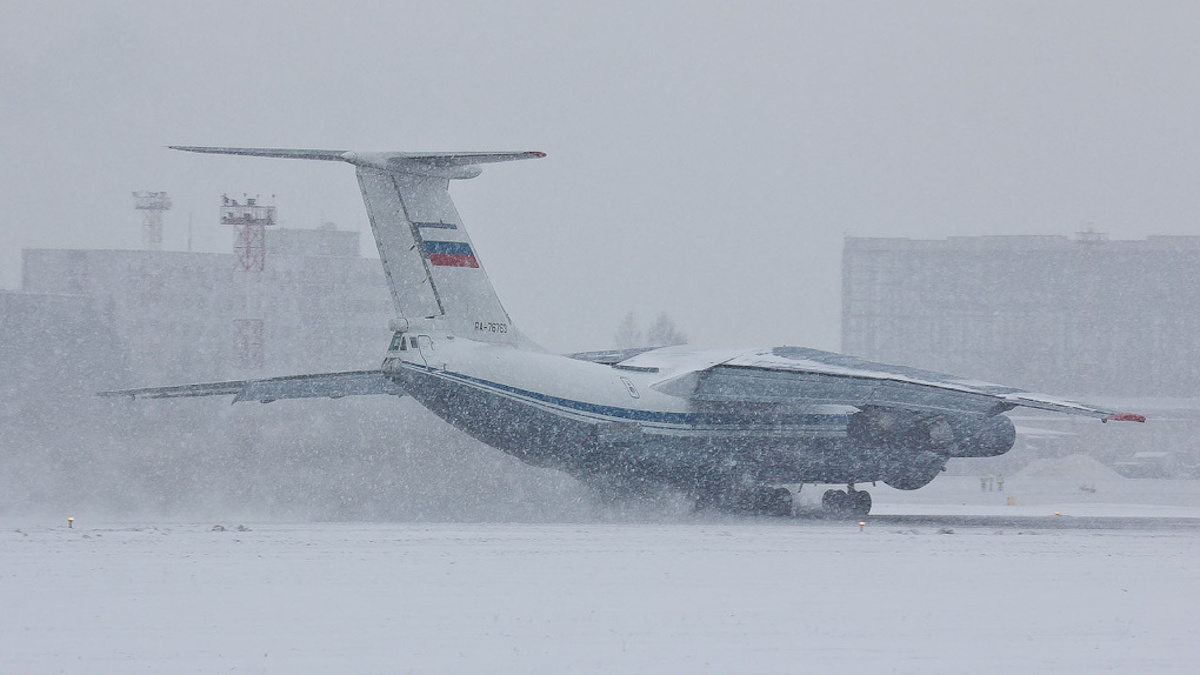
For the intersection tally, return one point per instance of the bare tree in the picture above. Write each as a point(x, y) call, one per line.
point(664, 333)
point(628, 334)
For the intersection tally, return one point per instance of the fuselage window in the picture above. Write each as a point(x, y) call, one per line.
point(412, 341)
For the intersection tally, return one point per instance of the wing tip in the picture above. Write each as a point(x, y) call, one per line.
point(1125, 417)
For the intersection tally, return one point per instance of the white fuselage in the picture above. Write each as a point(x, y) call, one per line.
point(595, 418)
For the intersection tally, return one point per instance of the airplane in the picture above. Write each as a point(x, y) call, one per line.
point(731, 429)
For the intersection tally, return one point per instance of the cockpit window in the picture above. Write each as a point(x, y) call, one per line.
point(398, 344)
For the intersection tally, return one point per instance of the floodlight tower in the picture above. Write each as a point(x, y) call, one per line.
point(152, 205)
point(250, 220)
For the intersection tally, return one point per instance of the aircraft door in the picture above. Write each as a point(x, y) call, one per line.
point(414, 355)
point(428, 355)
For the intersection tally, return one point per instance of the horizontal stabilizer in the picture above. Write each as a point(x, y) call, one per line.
point(320, 385)
point(400, 162)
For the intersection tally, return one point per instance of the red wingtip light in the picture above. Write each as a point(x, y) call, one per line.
point(1126, 417)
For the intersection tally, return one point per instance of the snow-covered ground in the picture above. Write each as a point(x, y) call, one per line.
point(690, 595)
point(1036, 496)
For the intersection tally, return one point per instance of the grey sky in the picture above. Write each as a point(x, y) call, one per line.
point(704, 159)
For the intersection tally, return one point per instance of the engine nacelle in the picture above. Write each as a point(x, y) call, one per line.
point(899, 430)
point(948, 435)
point(912, 448)
point(915, 471)
point(976, 436)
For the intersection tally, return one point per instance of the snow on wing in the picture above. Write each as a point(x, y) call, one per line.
point(791, 374)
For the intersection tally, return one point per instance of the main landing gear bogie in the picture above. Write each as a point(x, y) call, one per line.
point(761, 501)
point(849, 503)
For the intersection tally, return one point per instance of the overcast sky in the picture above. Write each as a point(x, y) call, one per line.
point(705, 159)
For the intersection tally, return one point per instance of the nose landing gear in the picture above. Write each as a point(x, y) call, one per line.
point(848, 503)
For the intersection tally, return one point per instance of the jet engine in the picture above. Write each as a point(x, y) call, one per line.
point(980, 436)
point(911, 448)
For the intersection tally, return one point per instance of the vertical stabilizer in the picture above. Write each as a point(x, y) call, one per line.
point(433, 270)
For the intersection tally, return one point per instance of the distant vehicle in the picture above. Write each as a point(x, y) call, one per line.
point(732, 429)
point(1148, 464)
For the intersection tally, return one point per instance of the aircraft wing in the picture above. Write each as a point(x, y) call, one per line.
point(331, 385)
point(811, 376)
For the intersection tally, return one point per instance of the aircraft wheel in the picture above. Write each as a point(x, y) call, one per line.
point(835, 503)
point(843, 504)
point(777, 502)
point(862, 502)
point(762, 501)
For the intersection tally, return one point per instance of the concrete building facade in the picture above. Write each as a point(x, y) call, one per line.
point(321, 305)
point(1085, 315)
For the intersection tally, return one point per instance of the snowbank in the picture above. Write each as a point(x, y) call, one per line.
point(1072, 467)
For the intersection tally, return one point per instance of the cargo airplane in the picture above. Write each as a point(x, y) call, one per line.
point(730, 428)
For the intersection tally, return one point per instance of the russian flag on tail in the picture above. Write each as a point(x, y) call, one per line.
point(449, 253)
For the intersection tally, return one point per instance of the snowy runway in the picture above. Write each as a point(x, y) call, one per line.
point(722, 597)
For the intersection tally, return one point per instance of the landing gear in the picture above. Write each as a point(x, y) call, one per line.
point(761, 501)
point(776, 502)
point(862, 502)
point(849, 503)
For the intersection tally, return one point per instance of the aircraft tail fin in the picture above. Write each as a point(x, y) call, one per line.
point(432, 269)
